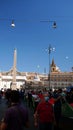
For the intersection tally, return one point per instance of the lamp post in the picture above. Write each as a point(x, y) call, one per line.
point(49, 75)
point(49, 51)
point(38, 68)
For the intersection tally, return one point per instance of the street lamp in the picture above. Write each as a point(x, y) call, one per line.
point(54, 25)
point(38, 68)
point(12, 24)
point(49, 52)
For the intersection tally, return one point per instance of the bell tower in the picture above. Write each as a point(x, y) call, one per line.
point(53, 66)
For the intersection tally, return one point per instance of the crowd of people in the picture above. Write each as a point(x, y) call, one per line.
point(46, 106)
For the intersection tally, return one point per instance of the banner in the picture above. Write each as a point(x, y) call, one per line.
point(67, 110)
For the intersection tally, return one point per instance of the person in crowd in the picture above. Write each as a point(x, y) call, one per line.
point(0, 97)
point(44, 114)
point(36, 100)
point(30, 102)
point(16, 116)
point(7, 96)
point(57, 107)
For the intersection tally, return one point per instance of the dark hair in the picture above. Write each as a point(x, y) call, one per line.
point(59, 90)
point(15, 96)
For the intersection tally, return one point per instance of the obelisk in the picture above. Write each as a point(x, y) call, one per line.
point(13, 86)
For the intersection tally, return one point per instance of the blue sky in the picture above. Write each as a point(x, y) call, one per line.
point(31, 37)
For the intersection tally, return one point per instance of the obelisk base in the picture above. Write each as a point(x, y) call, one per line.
point(14, 86)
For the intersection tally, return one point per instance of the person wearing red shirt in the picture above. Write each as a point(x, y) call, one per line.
point(44, 115)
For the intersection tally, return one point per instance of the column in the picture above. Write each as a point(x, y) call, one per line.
point(13, 86)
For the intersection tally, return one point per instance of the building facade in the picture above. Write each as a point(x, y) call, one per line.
point(60, 79)
point(30, 80)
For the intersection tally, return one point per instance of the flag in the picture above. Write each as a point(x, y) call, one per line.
point(67, 110)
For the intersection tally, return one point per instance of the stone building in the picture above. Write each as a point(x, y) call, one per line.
point(14, 79)
point(60, 79)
